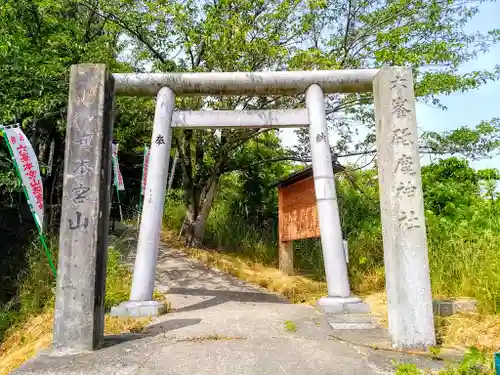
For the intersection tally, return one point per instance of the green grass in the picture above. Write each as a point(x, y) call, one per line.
point(37, 286)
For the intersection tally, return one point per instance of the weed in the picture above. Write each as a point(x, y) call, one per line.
point(475, 362)
point(212, 337)
point(290, 326)
point(407, 369)
point(436, 352)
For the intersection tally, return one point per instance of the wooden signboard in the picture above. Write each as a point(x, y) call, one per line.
point(297, 213)
point(298, 218)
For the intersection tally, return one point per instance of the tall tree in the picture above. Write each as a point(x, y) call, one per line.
point(39, 41)
point(428, 36)
point(253, 35)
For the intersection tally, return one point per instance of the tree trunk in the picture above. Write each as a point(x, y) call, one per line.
point(196, 222)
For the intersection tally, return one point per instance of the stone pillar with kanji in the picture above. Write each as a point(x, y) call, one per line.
point(81, 276)
point(411, 322)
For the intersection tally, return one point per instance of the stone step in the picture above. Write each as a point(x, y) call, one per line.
point(351, 321)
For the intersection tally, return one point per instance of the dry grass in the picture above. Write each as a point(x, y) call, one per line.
point(23, 342)
point(458, 331)
point(378, 306)
point(466, 330)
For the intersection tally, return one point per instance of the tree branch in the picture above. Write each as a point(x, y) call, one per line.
point(137, 33)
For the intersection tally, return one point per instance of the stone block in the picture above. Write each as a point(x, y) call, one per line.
point(450, 307)
point(352, 321)
point(139, 309)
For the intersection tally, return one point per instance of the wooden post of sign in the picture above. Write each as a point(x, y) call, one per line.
point(285, 248)
point(286, 257)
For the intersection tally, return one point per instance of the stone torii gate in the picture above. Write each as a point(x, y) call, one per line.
point(79, 312)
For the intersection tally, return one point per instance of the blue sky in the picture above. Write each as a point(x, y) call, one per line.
point(468, 108)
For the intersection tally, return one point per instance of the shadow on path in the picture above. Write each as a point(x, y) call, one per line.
point(220, 297)
point(149, 331)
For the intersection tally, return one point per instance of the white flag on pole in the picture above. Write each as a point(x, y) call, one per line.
point(116, 168)
point(27, 165)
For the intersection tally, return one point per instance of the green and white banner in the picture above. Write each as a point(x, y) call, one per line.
point(27, 164)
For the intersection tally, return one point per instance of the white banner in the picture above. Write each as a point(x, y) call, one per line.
point(116, 168)
point(27, 165)
point(145, 166)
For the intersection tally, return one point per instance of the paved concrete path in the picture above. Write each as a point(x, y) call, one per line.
point(220, 325)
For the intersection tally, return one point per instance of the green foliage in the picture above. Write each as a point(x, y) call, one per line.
point(475, 362)
point(449, 186)
point(37, 286)
point(255, 35)
point(473, 143)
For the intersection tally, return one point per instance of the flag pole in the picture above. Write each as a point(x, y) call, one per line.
point(114, 160)
point(48, 254)
point(145, 155)
point(118, 196)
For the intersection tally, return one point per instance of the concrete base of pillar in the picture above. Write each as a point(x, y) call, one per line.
point(342, 305)
point(139, 309)
point(347, 313)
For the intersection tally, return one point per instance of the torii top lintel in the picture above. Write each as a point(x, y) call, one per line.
point(245, 83)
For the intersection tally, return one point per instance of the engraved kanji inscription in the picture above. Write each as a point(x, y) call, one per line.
point(321, 137)
point(408, 220)
point(405, 164)
point(78, 223)
point(409, 189)
point(160, 140)
point(80, 194)
point(82, 166)
point(399, 107)
point(399, 82)
point(84, 140)
point(402, 136)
